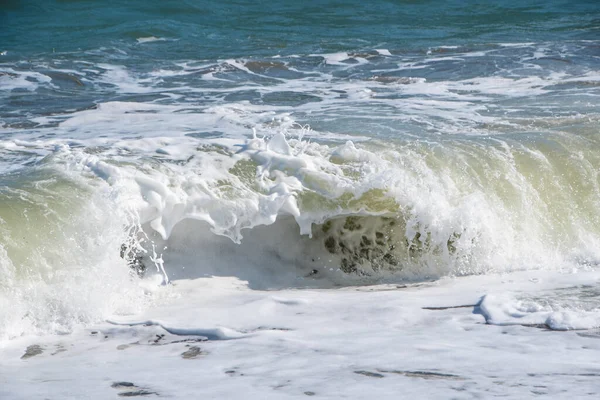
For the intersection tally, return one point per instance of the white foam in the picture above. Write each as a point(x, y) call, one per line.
point(149, 39)
point(11, 80)
point(506, 310)
point(346, 342)
point(335, 58)
point(120, 77)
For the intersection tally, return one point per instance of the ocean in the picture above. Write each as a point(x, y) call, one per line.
point(280, 172)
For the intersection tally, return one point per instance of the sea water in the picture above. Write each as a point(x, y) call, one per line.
point(310, 145)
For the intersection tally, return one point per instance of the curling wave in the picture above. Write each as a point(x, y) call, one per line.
point(280, 211)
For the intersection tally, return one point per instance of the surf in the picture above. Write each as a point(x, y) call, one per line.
point(279, 211)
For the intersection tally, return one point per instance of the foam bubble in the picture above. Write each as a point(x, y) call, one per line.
point(149, 39)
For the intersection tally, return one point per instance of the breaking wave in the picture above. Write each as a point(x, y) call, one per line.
point(413, 167)
point(279, 211)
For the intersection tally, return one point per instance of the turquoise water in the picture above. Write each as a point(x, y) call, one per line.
point(216, 30)
point(44, 36)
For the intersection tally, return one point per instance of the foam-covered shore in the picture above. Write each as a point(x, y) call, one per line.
point(216, 337)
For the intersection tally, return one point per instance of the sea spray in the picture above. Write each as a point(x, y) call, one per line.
point(60, 259)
